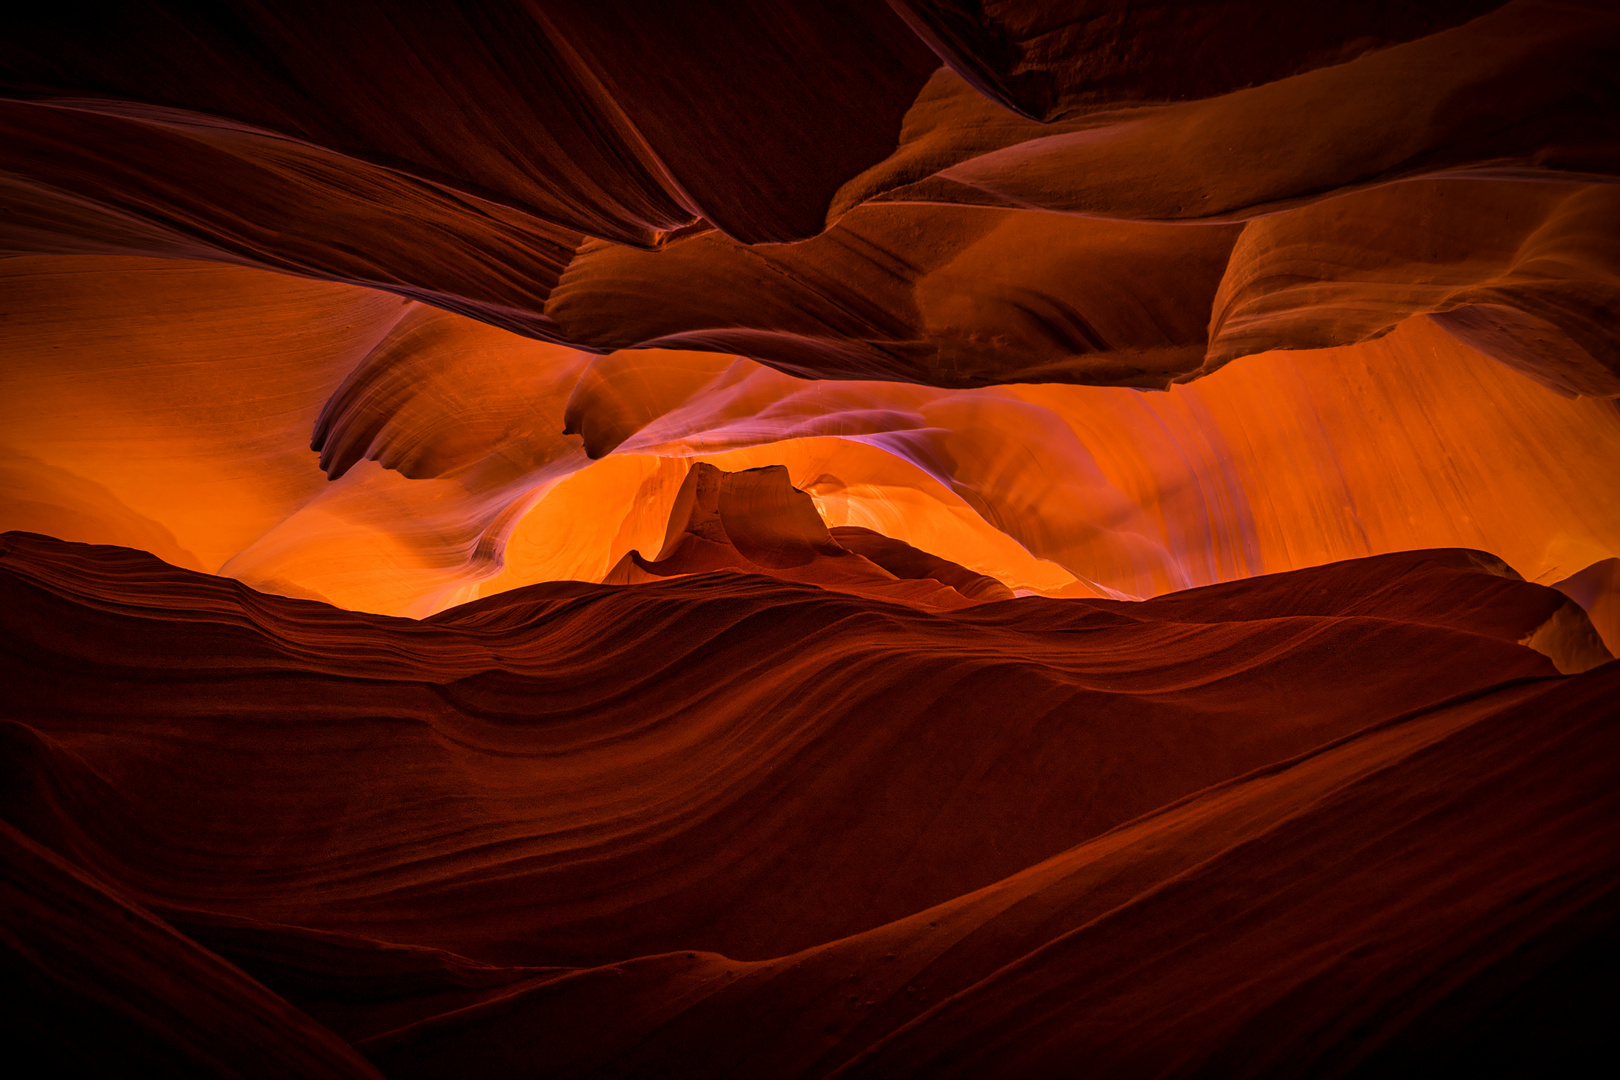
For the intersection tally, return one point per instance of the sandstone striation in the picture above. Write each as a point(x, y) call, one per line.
point(809, 538)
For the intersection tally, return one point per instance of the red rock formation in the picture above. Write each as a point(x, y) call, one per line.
point(1045, 59)
point(757, 522)
point(187, 439)
point(414, 831)
point(555, 202)
point(636, 539)
point(1597, 590)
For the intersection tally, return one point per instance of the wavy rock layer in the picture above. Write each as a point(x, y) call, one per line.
point(803, 183)
point(452, 475)
point(801, 646)
point(620, 829)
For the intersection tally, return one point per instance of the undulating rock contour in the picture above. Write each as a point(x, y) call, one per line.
point(807, 538)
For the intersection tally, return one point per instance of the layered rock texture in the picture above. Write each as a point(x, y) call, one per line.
point(804, 538)
point(738, 824)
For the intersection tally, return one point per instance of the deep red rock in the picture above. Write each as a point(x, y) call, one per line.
point(647, 548)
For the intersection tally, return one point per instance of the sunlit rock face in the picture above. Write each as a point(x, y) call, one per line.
point(794, 538)
point(464, 460)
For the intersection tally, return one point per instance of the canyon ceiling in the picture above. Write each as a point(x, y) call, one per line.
point(810, 537)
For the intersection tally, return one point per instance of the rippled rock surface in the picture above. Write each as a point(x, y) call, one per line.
point(806, 538)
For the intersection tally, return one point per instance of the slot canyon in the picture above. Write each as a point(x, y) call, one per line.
point(810, 538)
